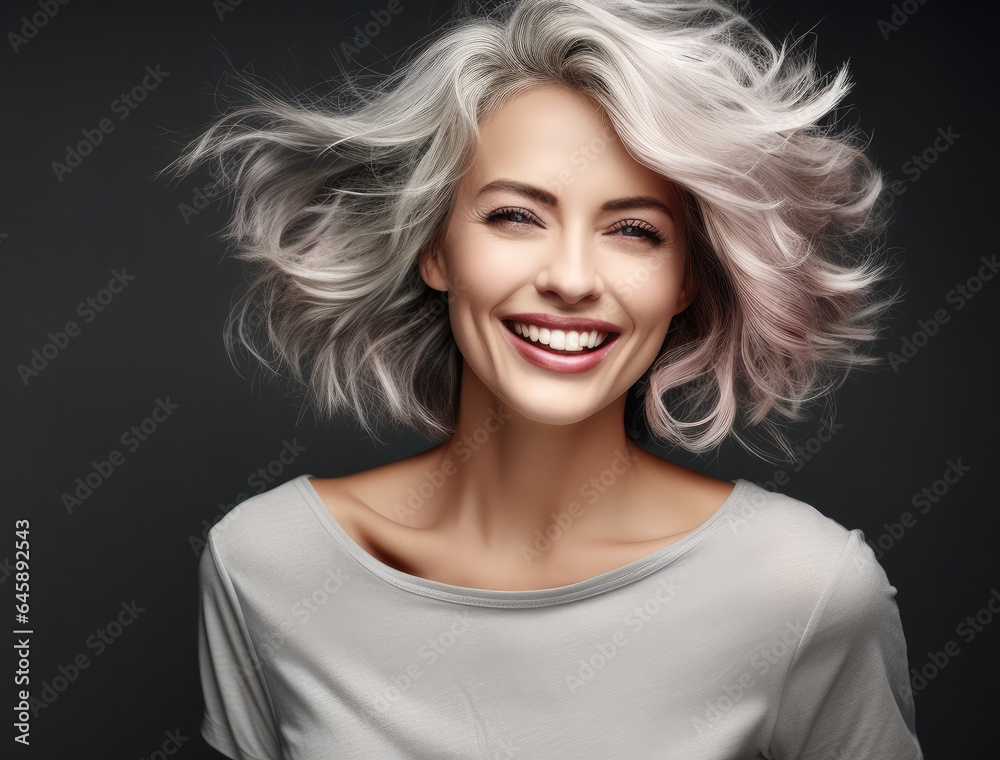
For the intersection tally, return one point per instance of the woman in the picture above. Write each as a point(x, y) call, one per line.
point(554, 214)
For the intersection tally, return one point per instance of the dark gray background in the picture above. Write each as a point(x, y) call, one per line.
point(136, 537)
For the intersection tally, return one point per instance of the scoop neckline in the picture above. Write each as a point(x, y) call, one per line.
point(520, 598)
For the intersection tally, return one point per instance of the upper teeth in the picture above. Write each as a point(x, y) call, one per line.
point(561, 340)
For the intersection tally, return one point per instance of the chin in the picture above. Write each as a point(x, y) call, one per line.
point(556, 410)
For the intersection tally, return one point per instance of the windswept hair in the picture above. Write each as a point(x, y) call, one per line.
point(334, 198)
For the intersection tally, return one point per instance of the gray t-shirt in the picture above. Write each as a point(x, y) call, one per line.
point(770, 631)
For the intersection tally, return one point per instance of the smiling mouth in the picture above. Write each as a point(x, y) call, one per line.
point(560, 341)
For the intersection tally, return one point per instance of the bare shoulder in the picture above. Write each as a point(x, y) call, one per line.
point(683, 497)
point(688, 484)
point(708, 490)
point(370, 493)
point(365, 505)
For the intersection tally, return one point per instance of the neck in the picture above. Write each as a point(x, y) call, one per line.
point(513, 482)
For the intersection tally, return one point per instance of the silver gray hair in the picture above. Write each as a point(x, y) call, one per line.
point(335, 198)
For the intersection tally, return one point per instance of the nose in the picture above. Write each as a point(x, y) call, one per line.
point(570, 272)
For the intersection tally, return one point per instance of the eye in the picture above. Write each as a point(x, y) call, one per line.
point(636, 228)
point(517, 216)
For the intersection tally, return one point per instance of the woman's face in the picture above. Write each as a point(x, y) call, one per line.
point(557, 232)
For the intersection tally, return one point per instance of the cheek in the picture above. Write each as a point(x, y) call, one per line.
point(477, 291)
point(649, 288)
point(483, 272)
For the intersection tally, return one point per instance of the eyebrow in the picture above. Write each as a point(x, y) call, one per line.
point(548, 199)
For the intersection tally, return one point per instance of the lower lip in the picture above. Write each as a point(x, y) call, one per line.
point(566, 363)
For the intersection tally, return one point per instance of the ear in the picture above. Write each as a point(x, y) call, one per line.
point(688, 292)
point(432, 269)
point(686, 297)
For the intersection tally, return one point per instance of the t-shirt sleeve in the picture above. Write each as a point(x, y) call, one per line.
point(238, 720)
point(847, 691)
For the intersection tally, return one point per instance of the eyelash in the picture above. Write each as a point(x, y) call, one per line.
point(650, 232)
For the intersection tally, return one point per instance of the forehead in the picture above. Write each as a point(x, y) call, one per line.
point(562, 141)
